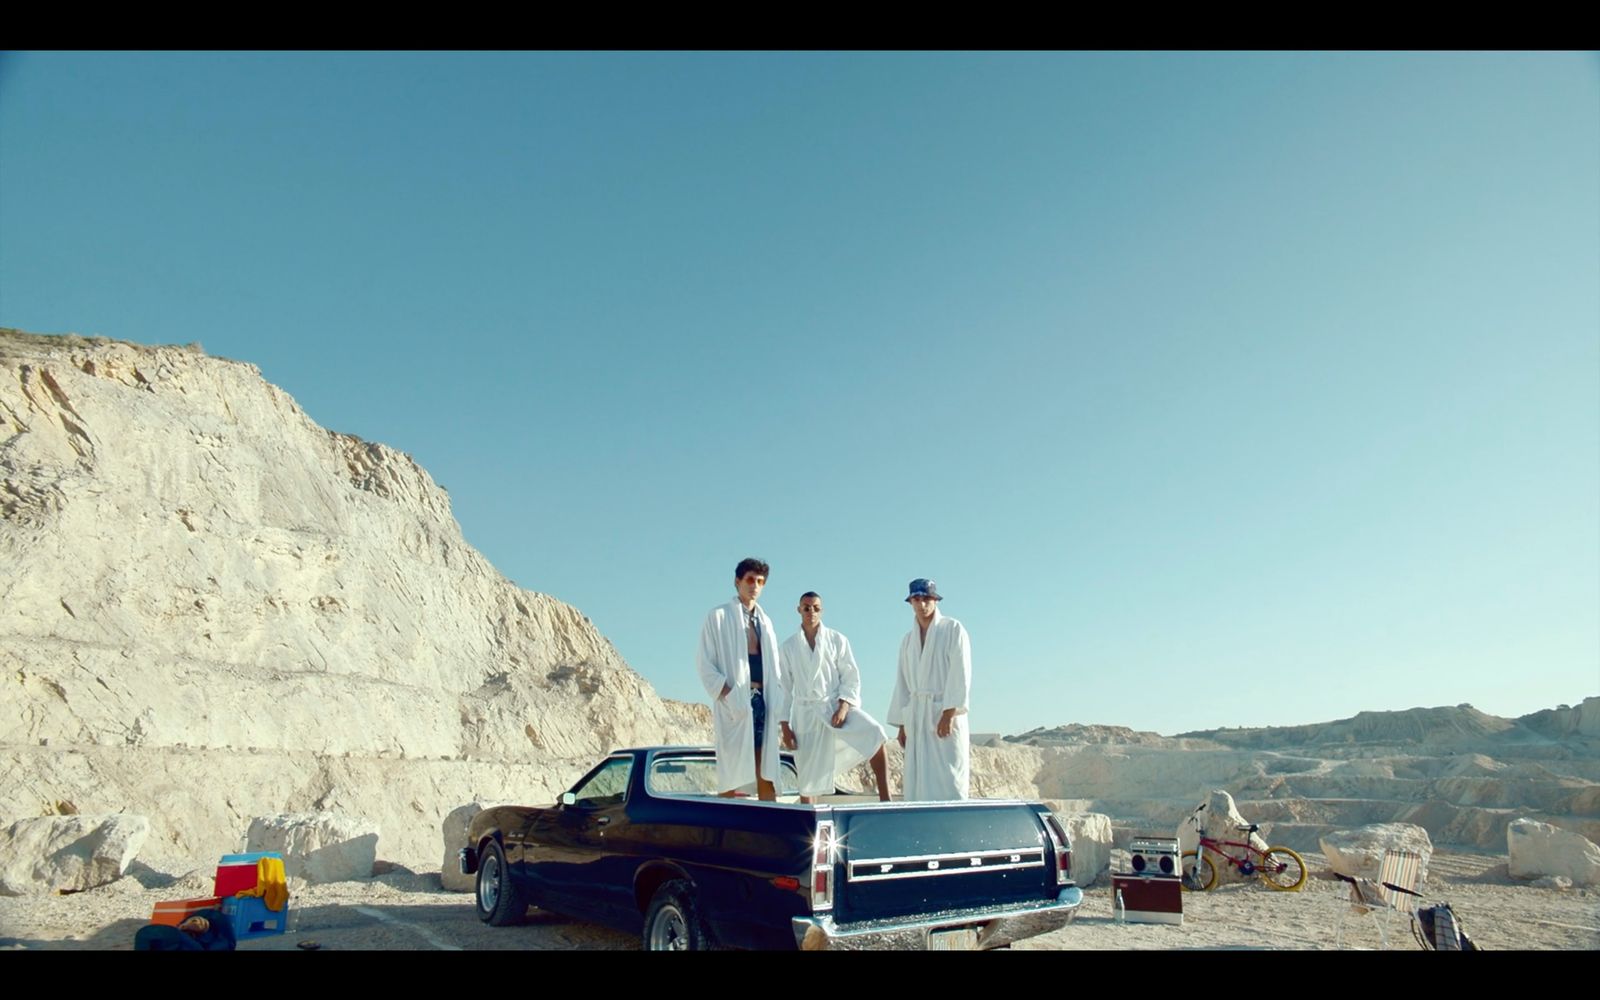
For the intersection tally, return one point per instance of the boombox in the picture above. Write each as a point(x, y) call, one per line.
point(1154, 855)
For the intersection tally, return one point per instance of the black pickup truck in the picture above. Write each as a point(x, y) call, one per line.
point(642, 843)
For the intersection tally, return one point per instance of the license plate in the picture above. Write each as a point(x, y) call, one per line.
point(953, 939)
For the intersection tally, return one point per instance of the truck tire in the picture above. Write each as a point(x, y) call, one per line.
point(500, 901)
point(672, 922)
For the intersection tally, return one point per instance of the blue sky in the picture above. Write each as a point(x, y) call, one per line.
point(1213, 389)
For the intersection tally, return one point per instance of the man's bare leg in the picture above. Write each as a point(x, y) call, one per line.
point(765, 790)
point(880, 770)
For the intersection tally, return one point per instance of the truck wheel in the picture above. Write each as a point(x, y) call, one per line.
point(672, 923)
point(500, 900)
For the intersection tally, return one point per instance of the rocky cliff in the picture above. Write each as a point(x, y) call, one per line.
point(212, 608)
point(1461, 773)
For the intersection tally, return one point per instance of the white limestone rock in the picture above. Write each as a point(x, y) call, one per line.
point(1536, 849)
point(197, 573)
point(68, 853)
point(1091, 844)
point(997, 772)
point(454, 829)
point(1359, 852)
point(1557, 882)
point(318, 847)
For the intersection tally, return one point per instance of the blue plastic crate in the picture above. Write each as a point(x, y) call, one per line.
point(249, 859)
point(252, 919)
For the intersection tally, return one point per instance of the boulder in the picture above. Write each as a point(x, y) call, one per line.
point(454, 829)
point(1358, 853)
point(1091, 845)
point(1537, 849)
point(68, 853)
point(318, 847)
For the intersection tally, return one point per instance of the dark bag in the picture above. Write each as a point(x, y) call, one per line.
point(1437, 928)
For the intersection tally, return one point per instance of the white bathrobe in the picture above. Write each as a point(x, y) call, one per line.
point(933, 677)
point(814, 682)
point(723, 658)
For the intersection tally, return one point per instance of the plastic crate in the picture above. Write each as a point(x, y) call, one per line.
point(173, 913)
point(252, 919)
point(236, 873)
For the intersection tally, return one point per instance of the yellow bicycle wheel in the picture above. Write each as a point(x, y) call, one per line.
point(1283, 870)
point(1199, 874)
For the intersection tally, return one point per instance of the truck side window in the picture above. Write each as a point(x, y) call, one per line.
point(607, 786)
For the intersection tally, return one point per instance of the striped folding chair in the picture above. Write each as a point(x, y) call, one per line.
point(1393, 892)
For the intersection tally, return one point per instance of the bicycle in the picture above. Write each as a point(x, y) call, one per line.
point(1278, 868)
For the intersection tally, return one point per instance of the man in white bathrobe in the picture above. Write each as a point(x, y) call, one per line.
point(740, 668)
point(824, 724)
point(930, 700)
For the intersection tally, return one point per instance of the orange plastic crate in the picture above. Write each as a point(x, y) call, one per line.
point(174, 913)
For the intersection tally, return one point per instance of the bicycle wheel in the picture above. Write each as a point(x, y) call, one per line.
point(1195, 879)
point(1282, 869)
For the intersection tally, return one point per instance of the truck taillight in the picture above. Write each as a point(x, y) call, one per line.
point(822, 867)
point(1063, 849)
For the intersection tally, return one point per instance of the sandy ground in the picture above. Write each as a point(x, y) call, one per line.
point(408, 911)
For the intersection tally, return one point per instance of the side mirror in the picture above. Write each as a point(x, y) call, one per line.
point(568, 798)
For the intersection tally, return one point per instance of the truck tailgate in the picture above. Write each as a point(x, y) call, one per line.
point(939, 857)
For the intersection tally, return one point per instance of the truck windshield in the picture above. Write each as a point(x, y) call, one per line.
point(697, 775)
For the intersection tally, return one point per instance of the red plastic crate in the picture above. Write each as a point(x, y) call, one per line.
point(236, 873)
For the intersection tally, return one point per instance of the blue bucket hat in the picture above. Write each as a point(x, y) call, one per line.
point(923, 588)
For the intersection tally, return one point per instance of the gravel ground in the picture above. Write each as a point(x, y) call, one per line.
point(408, 911)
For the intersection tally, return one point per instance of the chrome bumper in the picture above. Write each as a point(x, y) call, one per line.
point(996, 926)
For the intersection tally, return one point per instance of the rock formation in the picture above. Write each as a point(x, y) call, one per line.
point(1538, 849)
point(45, 854)
point(318, 847)
point(214, 609)
point(1460, 774)
point(1359, 853)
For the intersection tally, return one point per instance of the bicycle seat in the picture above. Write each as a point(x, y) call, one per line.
point(1252, 828)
